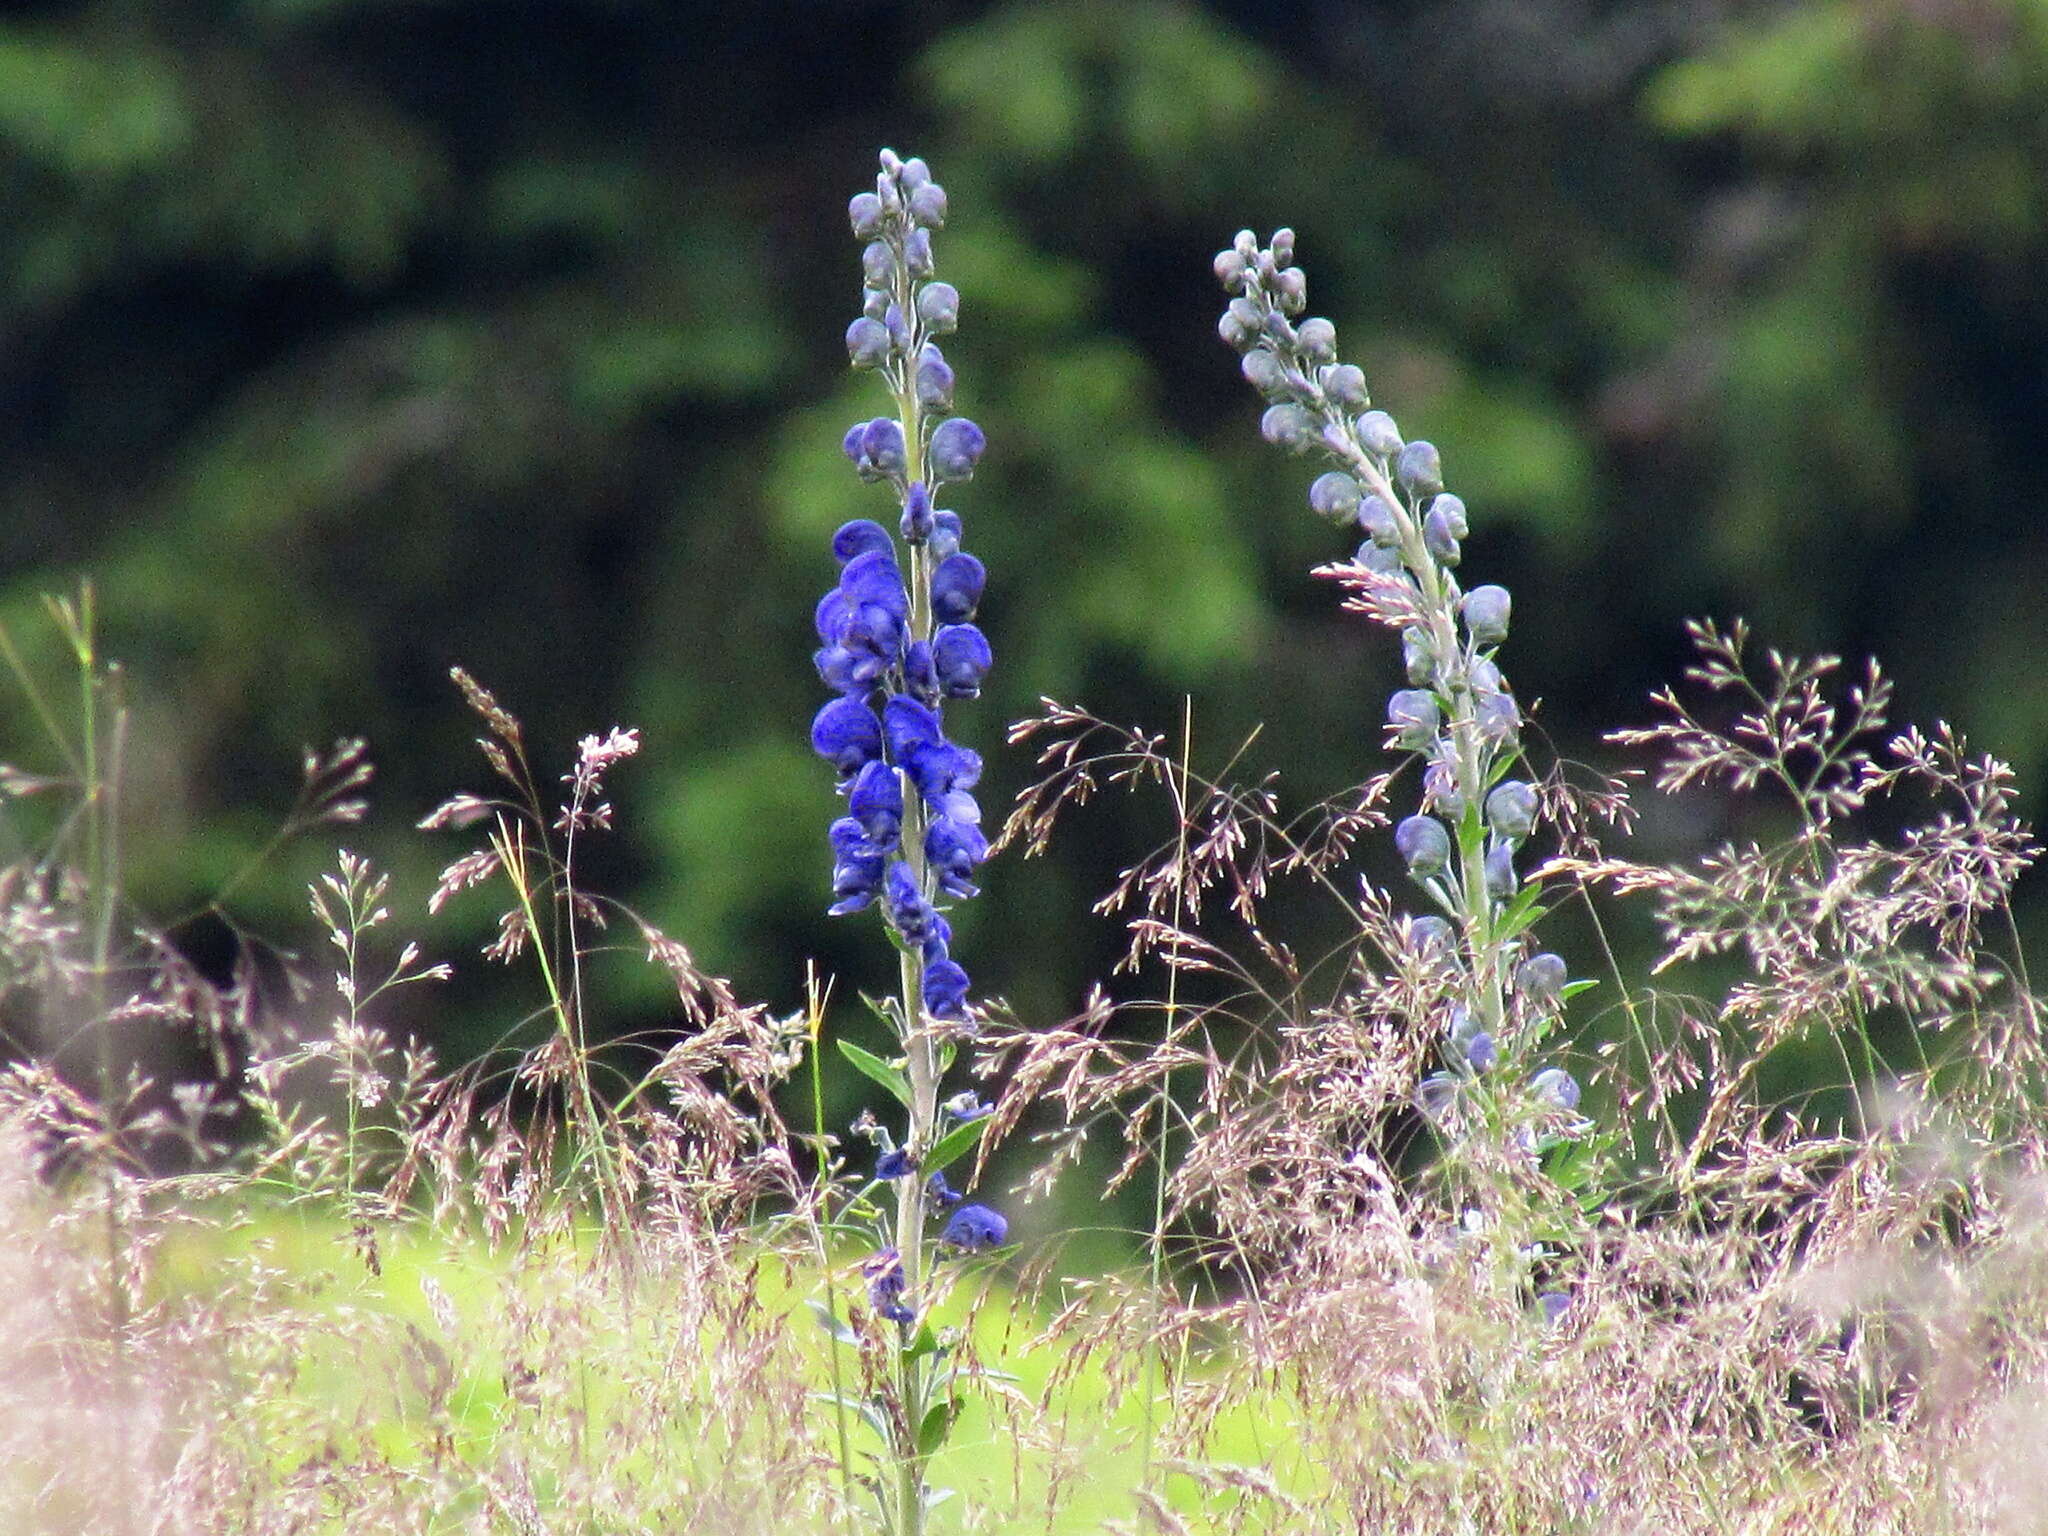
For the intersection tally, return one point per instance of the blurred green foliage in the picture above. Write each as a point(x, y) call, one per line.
point(349, 339)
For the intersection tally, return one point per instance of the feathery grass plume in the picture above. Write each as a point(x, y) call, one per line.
point(1458, 718)
point(897, 641)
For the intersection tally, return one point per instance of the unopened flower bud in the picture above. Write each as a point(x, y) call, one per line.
point(945, 534)
point(883, 445)
point(1486, 614)
point(1378, 558)
point(1291, 284)
point(956, 448)
point(1481, 1054)
point(934, 379)
point(1418, 659)
point(1511, 810)
point(1555, 1088)
point(913, 173)
point(1246, 244)
point(1414, 715)
point(1263, 370)
point(1484, 675)
point(928, 205)
point(917, 253)
point(1377, 517)
point(1433, 939)
point(917, 513)
point(877, 263)
point(874, 302)
point(1377, 431)
point(1334, 495)
point(1289, 427)
point(1345, 384)
point(1230, 268)
point(867, 343)
point(1500, 871)
point(1420, 468)
point(1424, 845)
point(938, 306)
point(1283, 246)
point(1440, 535)
point(1318, 340)
point(864, 212)
point(1235, 334)
point(1541, 977)
point(1500, 721)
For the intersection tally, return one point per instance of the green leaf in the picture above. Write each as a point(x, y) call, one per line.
point(869, 1414)
point(952, 1146)
point(1572, 989)
point(938, 1423)
point(885, 1008)
point(872, 1067)
point(1521, 912)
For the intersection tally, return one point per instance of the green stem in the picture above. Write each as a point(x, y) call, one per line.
point(919, 1055)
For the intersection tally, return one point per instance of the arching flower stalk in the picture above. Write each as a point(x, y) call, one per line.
point(1457, 715)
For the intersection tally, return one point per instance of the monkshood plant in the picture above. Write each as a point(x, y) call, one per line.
point(897, 642)
point(1496, 1101)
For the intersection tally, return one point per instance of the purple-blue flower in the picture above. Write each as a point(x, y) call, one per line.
point(961, 659)
point(953, 849)
point(857, 863)
point(886, 1284)
point(847, 735)
point(875, 801)
point(957, 447)
point(944, 1195)
point(904, 904)
point(956, 588)
point(911, 727)
point(895, 1164)
point(945, 989)
point(917, 513)
point(975, 1228)
point(968, 1105)
point(861, 536)
point(876, 446)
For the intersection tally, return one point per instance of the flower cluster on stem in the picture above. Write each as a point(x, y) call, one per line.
point(1457, 715)
point(897, 642)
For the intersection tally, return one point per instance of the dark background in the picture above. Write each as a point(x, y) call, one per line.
point(342, 341)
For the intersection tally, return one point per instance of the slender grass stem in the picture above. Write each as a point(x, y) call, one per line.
point(1178, 789)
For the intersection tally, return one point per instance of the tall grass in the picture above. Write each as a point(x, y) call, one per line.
point(1395, 1280)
